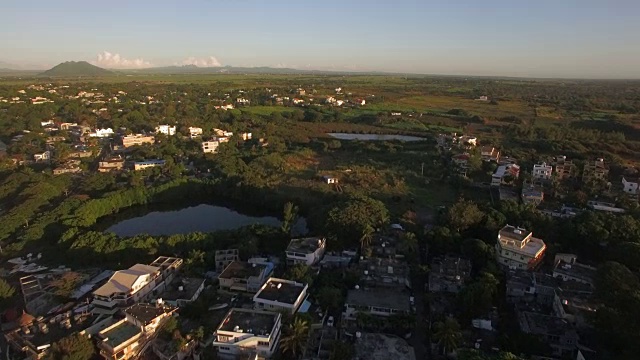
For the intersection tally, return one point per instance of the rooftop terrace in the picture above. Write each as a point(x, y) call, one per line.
point(242, 270)
point(305, 245)
point(383, 299)
point(249, 321)
point(120, 334)
point(282, 291)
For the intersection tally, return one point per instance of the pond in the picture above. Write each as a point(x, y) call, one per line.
point(375, 137)
point(199, 218)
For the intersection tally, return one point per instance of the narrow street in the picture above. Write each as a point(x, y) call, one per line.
point(420, 339)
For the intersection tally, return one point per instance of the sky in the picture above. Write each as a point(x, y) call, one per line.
point(542, 38)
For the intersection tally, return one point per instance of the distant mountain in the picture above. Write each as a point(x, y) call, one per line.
point(192, 69)
point(76, 68)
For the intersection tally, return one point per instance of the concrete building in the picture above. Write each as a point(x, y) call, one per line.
point(244, 332)
point(516, 248)
point(225, 257)
point(137, 139)
point(166, 129)
point(377, 272)
point(141, 165)
point(280, 295)
point(489, 153)
point(375, 302)
point(133, 285)
point(195, 132)
point(595, 171)
point(210, 147)
point(112, 163)
point(573, 271)
point(245, 277)
point(448, 274)
point(630, 185)
point(541, 172)
point(564, 169)
point(308, 251)
point(505, 174)
point(555, 331)
point(182, 291)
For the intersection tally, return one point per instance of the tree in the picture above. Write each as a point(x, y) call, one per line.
point(289, 217)
point(66, 283)
point(357, 218)
point(6, 292)
point(300, 273)
point(330, 298)
point(294, 338)
point(448, 335)
point(477, 298)
point(463, 215)
point(73, 347)
point(341, 351)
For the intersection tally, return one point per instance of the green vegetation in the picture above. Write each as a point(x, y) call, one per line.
point(76, 68)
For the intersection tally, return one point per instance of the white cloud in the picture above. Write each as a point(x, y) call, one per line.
point(109, 60)
point(210, 61)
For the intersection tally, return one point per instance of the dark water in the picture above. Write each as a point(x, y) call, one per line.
point(202, 218)
point(374, 137)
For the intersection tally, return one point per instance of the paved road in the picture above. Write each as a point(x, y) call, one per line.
point(420, 339)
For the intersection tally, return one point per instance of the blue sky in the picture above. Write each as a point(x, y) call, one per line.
point(543, 38)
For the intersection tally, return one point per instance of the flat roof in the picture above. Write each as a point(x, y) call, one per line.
point(241, 270)
point(514, 233)
point(580, 271)
point(531, 248)
point(120, 334)
point(249, 321)
point(379, 298)
point(189, 285)
point(166, 261)
point(146, 313)
point(280, 290)
point(305, 245)
point(545, 324)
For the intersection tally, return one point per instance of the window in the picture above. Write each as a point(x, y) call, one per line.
point(225, 348)
point(263, 343)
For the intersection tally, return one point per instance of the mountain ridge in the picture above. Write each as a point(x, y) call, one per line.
point(76, 68)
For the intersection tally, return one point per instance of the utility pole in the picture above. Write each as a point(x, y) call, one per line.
point(422, 170)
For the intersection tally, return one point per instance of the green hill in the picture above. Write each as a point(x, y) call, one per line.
point(76, 68)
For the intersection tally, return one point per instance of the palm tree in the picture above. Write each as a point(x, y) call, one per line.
point(448, 335)
point(295, 338)
point(367, 234)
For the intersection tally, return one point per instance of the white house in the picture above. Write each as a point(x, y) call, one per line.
point(331, 100)
point(224, 133)
point(246, 136)
point(630, 185)
point(330, 179)
point(210, 147)
point(102, 133)
point(244, 331)
point(45, 156)
point(46, 123)
point(195, 132)
point(298, 101)
point(166, 129)
point(242, 101)
point(141, 165)
point(542, 171)
point(308, 251)
point(280, 295)
point(339, 102)
point(516, 248)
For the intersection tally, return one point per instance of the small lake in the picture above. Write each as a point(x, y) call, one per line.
point(374, 137)
point(199, 218)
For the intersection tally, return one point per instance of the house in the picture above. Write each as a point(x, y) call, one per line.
point(246, 136)
point(127, 287)
point(127, 337)
point(45, 156)
point(244, 332)
point(210, 147)
point(222, 133)
point(194, 132)
point(541, 172)
point(378, 272)
point(308, 251)
point(516, 248)
point(574, 271)
point(576, 309)
point(468, 141)
point(142, 165)
point(382, 303)
point(360, 102)
point(301, 92)
point(532, 194)
point(182, 291)
point(69, 167)
point(449, 274)
point(396, 114)
point(137, 139)
point(297, 101)
point(67, 126)
point(605, 206)
point(483, 98)
point(102, 133)
point(330, 179)
point(330, 100)
point(630, 185)
point(461, 160)
point(338, 90)
point(564, 168)
point(280, 295)
point(505, 174)
point(555, 331)
point(39, 100)
point(595, 171)
point(242, 101)
point(166, 129)
point(223, 258)
point(111, 163)
point(46, 123)
point(489, 153)
point(244, 276)
point(339, 102)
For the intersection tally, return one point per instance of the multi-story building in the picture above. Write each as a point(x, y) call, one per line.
point(244, 276)
point(194, 132)
point(137, 139)
point(182, 291)
point(505, 174)
point(127, 287)
point(280, 295)
point(630, 185)
point(541, 172)
point(307, 251)
point(125, 338)
point(516, 248)
point(564, 168)
point(489, 153)
point(573, 271)
point(449, 274)
point(556, 332)
point(595, 171)
point(141, 165)
point(375, 302)
point(244, 332)
point(384, 272)
point(210, 147)
point(111, 163)
point(166, 129)
point(225, 257)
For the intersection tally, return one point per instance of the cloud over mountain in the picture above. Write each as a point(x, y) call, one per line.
point(106, 59)
point(210, 61)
